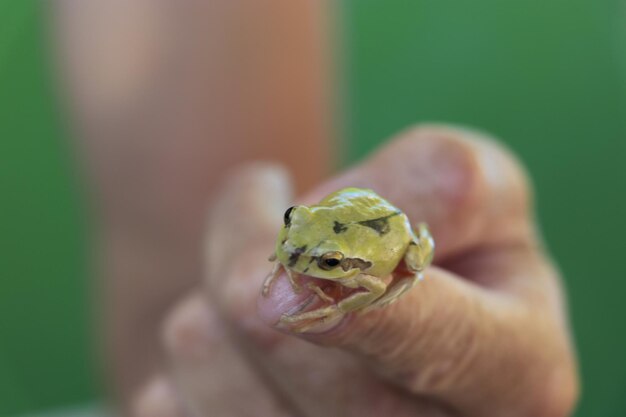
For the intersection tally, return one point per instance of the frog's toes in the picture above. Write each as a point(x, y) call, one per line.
point(316, 319)
point(318, 316)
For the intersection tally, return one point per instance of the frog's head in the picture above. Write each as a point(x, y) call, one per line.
point(309, 245)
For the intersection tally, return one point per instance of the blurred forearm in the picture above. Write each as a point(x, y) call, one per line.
point(165, 97)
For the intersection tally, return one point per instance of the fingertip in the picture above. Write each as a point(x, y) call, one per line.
point(262, 185)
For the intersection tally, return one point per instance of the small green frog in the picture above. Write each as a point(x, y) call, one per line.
point(355, 238)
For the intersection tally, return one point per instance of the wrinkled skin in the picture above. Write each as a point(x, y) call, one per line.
point(485, 334)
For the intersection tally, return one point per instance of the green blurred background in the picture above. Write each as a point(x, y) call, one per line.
point(549, 77)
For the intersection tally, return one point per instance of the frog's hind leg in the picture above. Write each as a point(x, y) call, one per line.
point(395, 291)
point(418, 256)
point(421, 249)
point(375, 288)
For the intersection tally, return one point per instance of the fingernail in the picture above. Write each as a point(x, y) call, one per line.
point(265, 186)
point(157, 399)
point(276, 192)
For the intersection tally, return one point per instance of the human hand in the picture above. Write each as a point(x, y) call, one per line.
point(485, 334)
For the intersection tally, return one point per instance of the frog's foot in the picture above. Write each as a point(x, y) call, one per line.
point(319, 313)
point(304, 321)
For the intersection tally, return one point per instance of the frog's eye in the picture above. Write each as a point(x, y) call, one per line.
point(330, 260)
point(287, 216)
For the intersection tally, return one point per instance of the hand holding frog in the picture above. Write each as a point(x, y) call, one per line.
point(484, 334)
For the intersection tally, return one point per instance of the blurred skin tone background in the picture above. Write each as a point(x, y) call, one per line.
point(121, 122)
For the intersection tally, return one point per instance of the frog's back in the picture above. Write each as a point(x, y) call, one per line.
point(368, 226)
point(354, 204)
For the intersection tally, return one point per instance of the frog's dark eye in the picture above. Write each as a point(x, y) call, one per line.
point(287, 216)
point(330, 260)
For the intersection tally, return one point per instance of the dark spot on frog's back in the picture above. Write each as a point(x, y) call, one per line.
point(295, 255)
point(380, 224)
point(339, 227)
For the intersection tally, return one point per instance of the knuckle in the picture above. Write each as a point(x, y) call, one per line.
point(441, 171)
point(480, 150)
point(441, 156)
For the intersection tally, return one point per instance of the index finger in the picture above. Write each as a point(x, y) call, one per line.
point(450, 337)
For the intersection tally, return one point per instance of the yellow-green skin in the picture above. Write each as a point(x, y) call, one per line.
point(355, 222)
point(365, 237)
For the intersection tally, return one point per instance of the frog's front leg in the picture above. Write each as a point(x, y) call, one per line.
point(275, 273)
point(271, 277)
